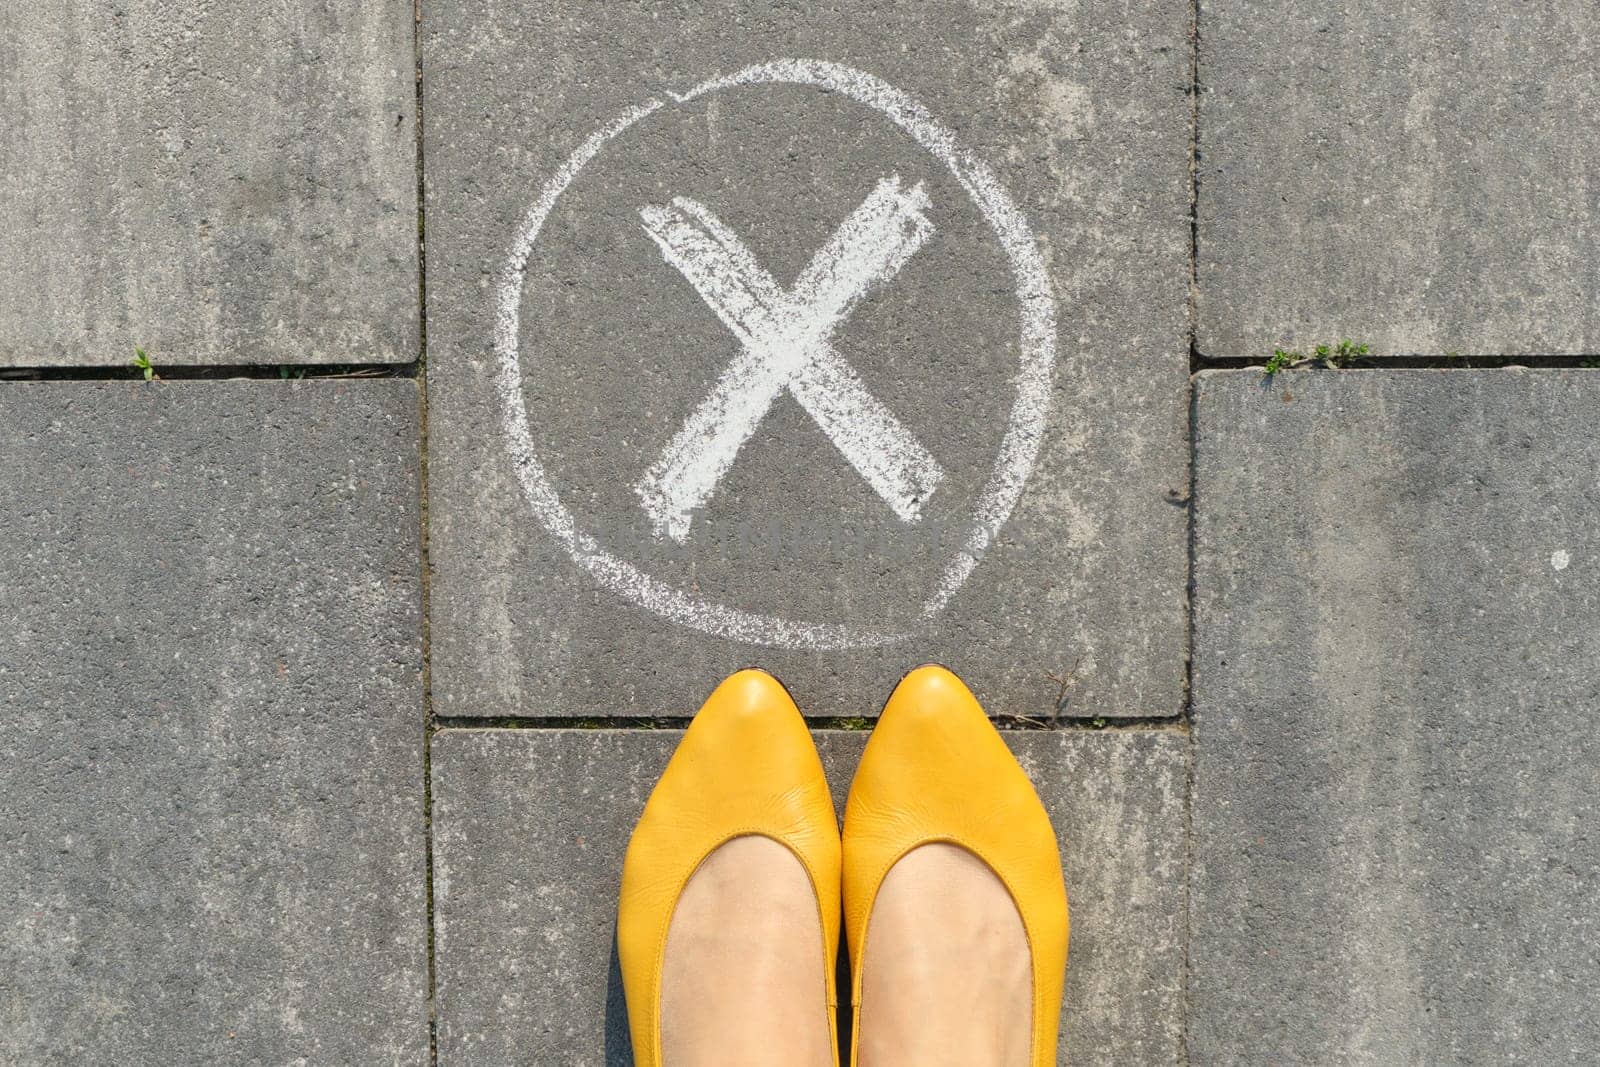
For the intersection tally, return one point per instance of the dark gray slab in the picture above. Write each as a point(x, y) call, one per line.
point(211, 843)
point(530, 827)
point(1397, 682)
point(1416, 176)
point(228, 182)
point(1079, 113)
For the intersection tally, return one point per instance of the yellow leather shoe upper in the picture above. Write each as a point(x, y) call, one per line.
point(746, 766)
point(935, 770)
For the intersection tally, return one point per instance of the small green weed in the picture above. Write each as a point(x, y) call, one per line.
point(1282, 360)
point(141, 359)
point(1331, 356)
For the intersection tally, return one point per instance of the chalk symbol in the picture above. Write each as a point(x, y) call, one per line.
point(1025, 426)
point(784, 337)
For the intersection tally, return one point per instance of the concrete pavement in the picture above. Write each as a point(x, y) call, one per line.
point(829, 339)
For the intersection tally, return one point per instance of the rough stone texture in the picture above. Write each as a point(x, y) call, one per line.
point(1397, 682)
point(1083, 114)
point(1419, 176)
point(530, 828)
point(228, 182)
point(210, 820)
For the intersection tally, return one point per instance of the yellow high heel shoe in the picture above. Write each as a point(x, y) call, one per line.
point(745, 767)
point(935, 771)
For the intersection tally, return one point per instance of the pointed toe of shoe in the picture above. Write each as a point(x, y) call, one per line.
point(745, 766)
point(750, 715)
point(936, 770)
point(934, 712)
point(935, 758)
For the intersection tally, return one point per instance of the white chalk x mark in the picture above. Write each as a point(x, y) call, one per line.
point(1019, 448)
point(785, 346)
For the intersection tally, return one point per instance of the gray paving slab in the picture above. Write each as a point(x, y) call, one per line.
point(1397, 681)
point(1416, 176)
point(589, 573)
point(530, 826)
point(211, 831)
point(227, 182)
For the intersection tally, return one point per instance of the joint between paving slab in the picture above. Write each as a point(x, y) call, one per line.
point(426, 631)
point(1194, 351)
point(213, 372)
point(1194, 187)
point(1188, 707)
point(1418, 362)
point(1004, 723)
point(1196, 364)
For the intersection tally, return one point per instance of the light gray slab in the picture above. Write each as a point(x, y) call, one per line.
point(1415, 176)
point(1080, 115)
point(530, 827)
point(1397, 682)
point(226, 182)
point(211, 845)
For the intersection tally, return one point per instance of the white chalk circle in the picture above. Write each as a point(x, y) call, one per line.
point(1019, 448)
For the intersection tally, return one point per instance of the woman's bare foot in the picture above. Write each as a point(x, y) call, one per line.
point(946, 978)
point(742, 981)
